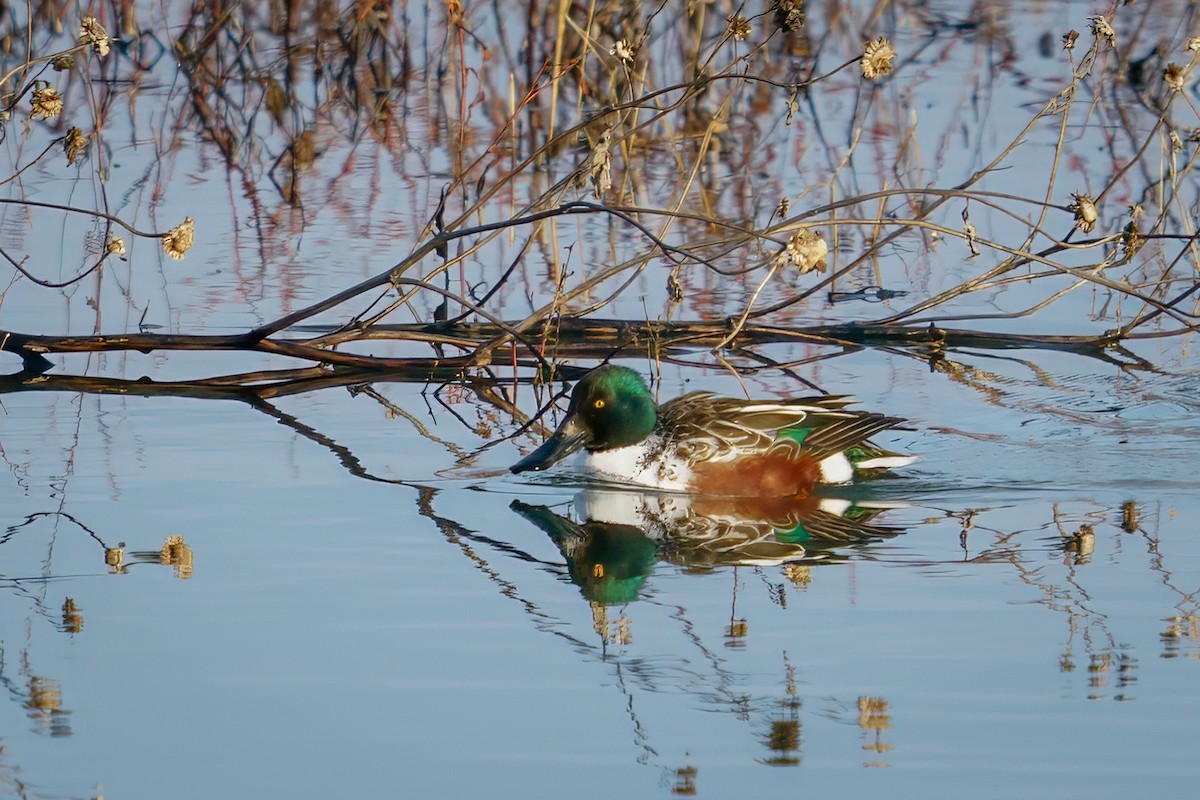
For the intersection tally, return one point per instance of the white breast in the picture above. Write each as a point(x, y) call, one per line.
point(642, 464)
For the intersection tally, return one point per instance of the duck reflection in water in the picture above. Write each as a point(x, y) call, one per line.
point(611, 540)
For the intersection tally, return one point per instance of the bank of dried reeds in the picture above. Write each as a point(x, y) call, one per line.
point(654, 128)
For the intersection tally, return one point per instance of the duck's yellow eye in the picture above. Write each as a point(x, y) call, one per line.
point(599, 404)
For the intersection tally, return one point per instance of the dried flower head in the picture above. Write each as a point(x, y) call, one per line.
point(178, 240)
point(1069, 39)
point(114, 557)
point(1173, 75)
point(62, 63)
point(674, 288)
point(1083, 543)
point(1084, 209)
point(739, 27)
point(93, 33)
point(74, 144)
point(793, 102)
point(46, 102)
point(623, 51)
point(1176, 142)
point(800, 575)
point(600, 167)
point(877, 59)
point(807, 250)
point(72, 617)
point(1193, 44)
point(1102, 29)
point(1132, 238)
point(784, 739)
point(872, 713)
point(972, 235)
point(115, 246)
point(177, 553)
point(789, 14)
point(45, 694)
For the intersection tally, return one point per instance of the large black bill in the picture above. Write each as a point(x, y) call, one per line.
point(569, 437)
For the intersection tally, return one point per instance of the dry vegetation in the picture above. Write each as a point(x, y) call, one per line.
point(653, 132)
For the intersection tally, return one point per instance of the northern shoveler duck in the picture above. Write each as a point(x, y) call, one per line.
point(704, 444)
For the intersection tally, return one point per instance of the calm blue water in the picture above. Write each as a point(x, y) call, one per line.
point(422, 636)
point(344, 592)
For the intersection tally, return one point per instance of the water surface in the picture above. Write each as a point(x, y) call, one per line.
point(345, 592)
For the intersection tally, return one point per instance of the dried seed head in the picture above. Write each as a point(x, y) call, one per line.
point(1084, 209)
point(872, 714)
point(807, 250)
point(1069, 39)
point(46, 102)
point(623, 51)
point(72, 619)
point(624, 634)
point(971, 234)
point(116, 246)
point(277, 101)
point(782, 209)
point(178, 240)
point(739, 27)
point(45, 696)
point(800, 575)
point(1102, 29)
point(114, 557)
point(177, 553)
point(793, 102)
point(1176, 142)
point(1173, 75)
point(1193, 44)
point(93, 33)
point(1132, 239)
point(877, 59)
point(1083, 542)
point(789, 14)
point(75, 143)
point(600, 170)
point(674, 288)
point(62, 63)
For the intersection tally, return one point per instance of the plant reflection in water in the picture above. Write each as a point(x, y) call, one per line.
point(612, 542)
point(40, 695)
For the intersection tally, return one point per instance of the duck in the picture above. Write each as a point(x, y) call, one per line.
point(705, 444)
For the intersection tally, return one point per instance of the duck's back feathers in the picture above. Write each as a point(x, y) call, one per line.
point(839, 434)
point(706, 427)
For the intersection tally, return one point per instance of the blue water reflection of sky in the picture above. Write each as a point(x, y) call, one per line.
point(332, 636)
point(328, 595)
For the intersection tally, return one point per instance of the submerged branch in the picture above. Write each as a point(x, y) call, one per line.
point(568, 338)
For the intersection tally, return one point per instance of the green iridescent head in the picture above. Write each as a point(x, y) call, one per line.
point(611, 407)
